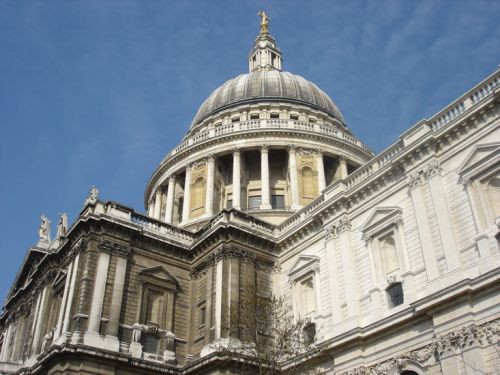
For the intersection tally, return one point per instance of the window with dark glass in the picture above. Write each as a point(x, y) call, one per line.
point(275, 115)
point(395, 294)
point(310, 333)
point(151, 343)
point(277, 201)
point(254, 202)
point(254, 116)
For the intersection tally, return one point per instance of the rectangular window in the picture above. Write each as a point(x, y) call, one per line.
point(153, 307)
point(254, 202)
point(203, 311)
point(229, 204)
point(278, 201)
point(275, 115)
point(254, 116)
point(308, 298)
point(235, 119)
point(294, 117)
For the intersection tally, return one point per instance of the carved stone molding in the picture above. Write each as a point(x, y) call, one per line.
point(432, 169)
point(343, 225)
point(330, 232)
point(231, 253)
point(114, 248)
point(458, 340)
point(421, 176)
point(414, 180)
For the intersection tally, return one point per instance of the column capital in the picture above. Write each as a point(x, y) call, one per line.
point(264, 148)
point(210, 158)
point(188, 166)
point(318, 153)
point(292, 149)
point(236, 151)
point(172, 177)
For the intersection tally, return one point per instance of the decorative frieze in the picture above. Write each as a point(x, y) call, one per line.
point(114, 248)
point(458, 340)
point(421, 176)
point(231, 253)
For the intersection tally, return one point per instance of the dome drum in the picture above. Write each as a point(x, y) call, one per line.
point(270, 181)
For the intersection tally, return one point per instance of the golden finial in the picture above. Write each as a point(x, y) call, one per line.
point(264, 23)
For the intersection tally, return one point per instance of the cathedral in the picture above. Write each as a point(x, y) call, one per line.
point(393, 258)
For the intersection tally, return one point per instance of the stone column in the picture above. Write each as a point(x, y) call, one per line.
point(151, 208)
point(5, 357)
point(60, 318)
point(321, 172)
point(264, 178)
point(71, 292)
point(37, 337)
point(343, 167)
point(116, 304)
point(186, 209)
point(98, 295)
point(236, 180)
point(444, 223)
point(222, 296)
point(294, 181)
point(349, 267)
point(157, 207)
point(169, 209)
point(417, 196)
point(331, 258)
point(209, 197)
point(19, 340)
point(163, 206)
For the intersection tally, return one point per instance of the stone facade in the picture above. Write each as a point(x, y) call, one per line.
point(393, 257)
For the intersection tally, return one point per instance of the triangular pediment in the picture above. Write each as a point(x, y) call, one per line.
point(158, 274)
point(59, 279)
point(480, 155)
point(31, 260)
point(303, 263)
point(379, 216)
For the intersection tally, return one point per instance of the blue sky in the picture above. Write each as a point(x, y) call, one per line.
point(98, 91)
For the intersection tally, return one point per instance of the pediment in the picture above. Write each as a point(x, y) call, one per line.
point(59, 279)
point(481, 156)
point(381, 216)
point(31, 260)
point(158, 275)
point(303, 264)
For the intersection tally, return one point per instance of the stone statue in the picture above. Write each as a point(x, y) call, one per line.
point(93, 196)
point(62, 225)
point(136, 333)
point(264, 23)
point(44, 231)
point(47, 340)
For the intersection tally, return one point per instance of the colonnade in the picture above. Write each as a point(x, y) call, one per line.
point(164, 195)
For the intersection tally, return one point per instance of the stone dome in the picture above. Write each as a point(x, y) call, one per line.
point(269, 85)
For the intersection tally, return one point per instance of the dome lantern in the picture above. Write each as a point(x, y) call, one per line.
point(265, 54)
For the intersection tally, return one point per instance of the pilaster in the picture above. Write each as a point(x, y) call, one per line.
point(264, 176)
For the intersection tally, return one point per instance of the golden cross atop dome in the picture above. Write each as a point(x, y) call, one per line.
point(264, 23)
